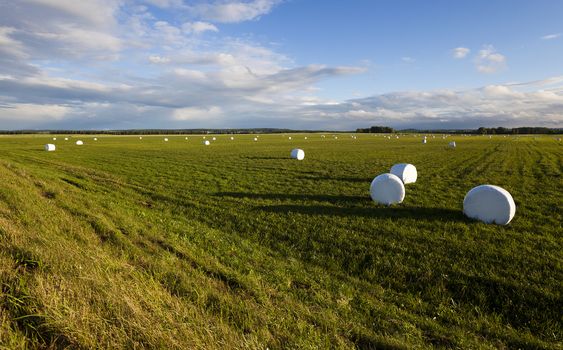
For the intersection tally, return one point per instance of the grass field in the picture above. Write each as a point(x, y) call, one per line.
point(128, 243)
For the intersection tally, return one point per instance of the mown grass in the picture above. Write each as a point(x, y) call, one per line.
point(125, 243)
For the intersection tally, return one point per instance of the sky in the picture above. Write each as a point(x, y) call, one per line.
point(299, 64)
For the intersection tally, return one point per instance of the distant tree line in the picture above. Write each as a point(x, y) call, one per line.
point(516, 131)
point(377, 130)
point(160, 131)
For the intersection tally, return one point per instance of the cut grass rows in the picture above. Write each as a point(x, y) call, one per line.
point(124, 243)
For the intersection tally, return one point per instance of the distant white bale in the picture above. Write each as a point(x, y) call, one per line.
point(298, 154)
point(206, 142)
point(323, 136)
point(490, 204)
point(396, 137)
point(95, 139)
point(336, 137)
point(186, 138)
point(305, 137)
point(79, 142)
point(232, 138)
point(255, 139)
point(387, 189)
point(49, 147)
point(424, 141)
point(289, 137)
point(140, 137)
point(214, 138)
point(66, 138)
point(452, 144)
point(165, 139)
point(54, 139)
point(406, 172)
point(559, 139)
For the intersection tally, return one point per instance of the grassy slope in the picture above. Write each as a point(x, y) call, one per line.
point(124, 243)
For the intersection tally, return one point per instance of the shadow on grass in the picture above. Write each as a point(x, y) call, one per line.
point(349, 206)
point(343, 179)
point(266, 157)
point(418, 213)
point(298, 197)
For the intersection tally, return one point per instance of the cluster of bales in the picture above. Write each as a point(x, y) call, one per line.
point(487, 203)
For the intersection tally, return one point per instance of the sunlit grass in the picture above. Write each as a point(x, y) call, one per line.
point(124, 242)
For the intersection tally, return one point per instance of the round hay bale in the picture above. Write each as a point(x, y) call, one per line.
point(255, 139)
point(140, 137)
point(406, 172)
point(297, 153)
point(490, 204)
point(79, 142)
point(165, 139)
point(66, 138)
point(214, 139)
point(387, 189)
point(232, 138)
point(305, 137)
point(452, 144)
point(95, 139)
point(206, 142)
point(289, 137)
point(50, 147)
point(185, 138)
point(54, 139)
point(424, 141)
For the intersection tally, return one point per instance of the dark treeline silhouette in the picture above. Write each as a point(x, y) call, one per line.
point(373, 129)
point(161, 131)
point(376, 130)
point(480, 131)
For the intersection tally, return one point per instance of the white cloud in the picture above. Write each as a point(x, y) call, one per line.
point(460, 52)
point(230, 11)
point(488, 60)
point(27, 112)
point(551, 36)
point(158, 59)
point(197, 113)
point(407, 59)
point(199, 27)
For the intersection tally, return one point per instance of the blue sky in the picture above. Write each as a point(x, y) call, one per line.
point(115, 64)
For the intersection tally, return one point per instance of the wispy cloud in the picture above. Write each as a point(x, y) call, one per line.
point(551, 36)
point(460, 52)
point(488, 60)
point(233, 11)
point(407, 59)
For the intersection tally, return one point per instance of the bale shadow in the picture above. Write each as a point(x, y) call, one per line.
point(301, 197)
point(417, 213)
point(331, 178)
point(265, 157)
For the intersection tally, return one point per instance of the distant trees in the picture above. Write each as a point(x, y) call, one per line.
point(377, 129)
point(514, 131)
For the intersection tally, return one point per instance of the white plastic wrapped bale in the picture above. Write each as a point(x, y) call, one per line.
point(289, 137)
point(140, 137)
point(255, 139)
point(54, 139)
point(424, 141)
point(165, 139)
point(95, 139)
point(490, 204)
point(186, 138)
point(66, 138)
point(406, 172)
point(50, 147)
point(297, 153)
point(232, 138)
point(387, 189)
point(452, 144)
point(214, 139)
point(206, 142)
point(79, 142)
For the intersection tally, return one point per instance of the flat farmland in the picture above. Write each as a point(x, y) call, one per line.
point(130, 243)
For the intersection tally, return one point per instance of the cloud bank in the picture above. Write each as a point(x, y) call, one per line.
point(114, 64)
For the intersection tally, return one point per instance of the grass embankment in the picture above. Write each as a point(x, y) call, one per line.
point(140, 243)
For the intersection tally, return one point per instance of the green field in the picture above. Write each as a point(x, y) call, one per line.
point(128, 243)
